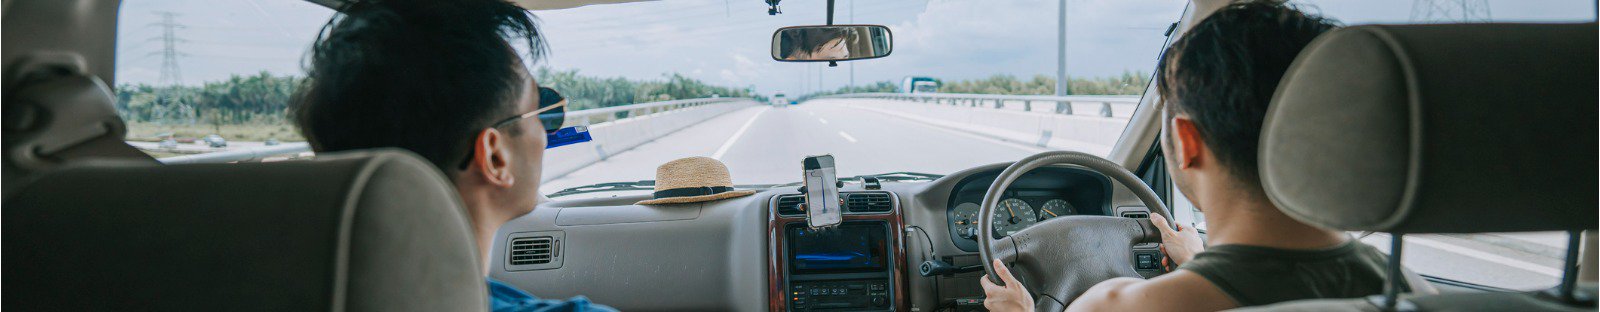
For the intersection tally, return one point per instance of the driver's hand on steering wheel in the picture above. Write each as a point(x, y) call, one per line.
point(1180, 245)
point(1009, 298)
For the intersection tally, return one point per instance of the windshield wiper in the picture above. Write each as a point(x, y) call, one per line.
point(901, 176)
point(648, 185)
point(607, 187)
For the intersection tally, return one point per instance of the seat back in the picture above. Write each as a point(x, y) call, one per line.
point(1456, 128)
point(56, 113)
point(361, 231)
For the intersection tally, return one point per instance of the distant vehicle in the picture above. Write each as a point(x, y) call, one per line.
point(919, 85)
point(271, 141)
point(792, 102)
point(216, 141)
point(779, 99)
point(169, 143)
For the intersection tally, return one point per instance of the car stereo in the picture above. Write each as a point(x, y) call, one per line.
point(852, 247)
point(840, 268)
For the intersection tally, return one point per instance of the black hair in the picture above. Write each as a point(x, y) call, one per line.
point(809, 40)
point(1223, 71)
point(423, 75)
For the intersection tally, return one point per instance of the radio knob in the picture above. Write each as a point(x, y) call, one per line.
point(877, 300)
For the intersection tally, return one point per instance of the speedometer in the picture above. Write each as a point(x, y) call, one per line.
point(1013, 215)
point(1056, 208)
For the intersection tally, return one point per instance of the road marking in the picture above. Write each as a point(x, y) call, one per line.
point(737, 134)
point(1524, 265)
point(810, 113)
point(847, 137)
point(824, 121)
point(1024, 147)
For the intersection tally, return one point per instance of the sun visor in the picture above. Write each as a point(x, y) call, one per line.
point(1438, 129)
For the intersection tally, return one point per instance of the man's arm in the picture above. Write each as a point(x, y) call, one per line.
point(1176, 291)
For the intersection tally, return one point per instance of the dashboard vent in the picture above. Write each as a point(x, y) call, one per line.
point(533, 250)
point(789, 205)
point(869, 202)
point(1136, 215)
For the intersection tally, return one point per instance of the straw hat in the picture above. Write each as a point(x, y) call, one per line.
point(693, 180)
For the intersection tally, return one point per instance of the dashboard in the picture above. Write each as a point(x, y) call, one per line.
point(754, 253)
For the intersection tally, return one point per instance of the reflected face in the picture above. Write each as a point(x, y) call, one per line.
point(835, 49)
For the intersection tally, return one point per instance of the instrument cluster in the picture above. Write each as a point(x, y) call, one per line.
point(1012, 215)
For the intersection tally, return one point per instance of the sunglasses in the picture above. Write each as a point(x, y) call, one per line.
point(552, 114)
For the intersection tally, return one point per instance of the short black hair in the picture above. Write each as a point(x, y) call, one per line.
point(1224, 70)
point(810, 40)
point(423, 75)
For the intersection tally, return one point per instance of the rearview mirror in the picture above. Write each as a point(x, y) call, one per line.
point(831, 43)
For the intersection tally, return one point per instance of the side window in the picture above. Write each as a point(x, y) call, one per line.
point(213, 78)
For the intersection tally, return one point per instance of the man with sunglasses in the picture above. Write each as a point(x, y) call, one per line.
point(441, 79)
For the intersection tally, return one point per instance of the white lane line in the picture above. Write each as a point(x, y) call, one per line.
point(1524, 265)
point(847, 137)
point(824, 121)
point(737, 134)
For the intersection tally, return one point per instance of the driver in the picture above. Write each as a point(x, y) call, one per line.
point(441, 79)
point(1216, 82)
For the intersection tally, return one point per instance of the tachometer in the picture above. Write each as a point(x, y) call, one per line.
point(1013, 215)
point(1056, 208)
point(964, 220)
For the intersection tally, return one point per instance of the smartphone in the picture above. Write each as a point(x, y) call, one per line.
point(822, 192)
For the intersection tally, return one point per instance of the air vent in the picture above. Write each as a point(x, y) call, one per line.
point(869, 202)
point(1136, 215)
point(789, 205)
point(533, 250)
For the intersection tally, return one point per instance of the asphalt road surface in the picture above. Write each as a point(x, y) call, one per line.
point(763, 145)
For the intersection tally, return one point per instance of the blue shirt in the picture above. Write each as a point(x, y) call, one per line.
point(505, 298)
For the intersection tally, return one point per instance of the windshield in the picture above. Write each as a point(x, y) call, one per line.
point(961, 88)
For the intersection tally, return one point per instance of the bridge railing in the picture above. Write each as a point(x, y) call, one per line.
point(615, 129)
point(1081, 123)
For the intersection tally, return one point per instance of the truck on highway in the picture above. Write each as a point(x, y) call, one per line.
point(916, 84)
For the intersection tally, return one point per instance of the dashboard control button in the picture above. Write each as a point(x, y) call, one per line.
point(1146, 261)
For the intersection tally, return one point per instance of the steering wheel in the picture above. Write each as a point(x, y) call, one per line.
point(1062, 257)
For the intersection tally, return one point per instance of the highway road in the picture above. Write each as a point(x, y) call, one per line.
point(763, 145)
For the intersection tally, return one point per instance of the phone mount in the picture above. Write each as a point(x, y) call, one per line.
point(823, 206)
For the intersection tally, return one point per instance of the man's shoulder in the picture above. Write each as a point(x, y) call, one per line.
point(1177, 291)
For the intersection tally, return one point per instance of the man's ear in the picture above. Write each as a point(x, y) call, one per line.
point(491, 156)
point(1186, 142)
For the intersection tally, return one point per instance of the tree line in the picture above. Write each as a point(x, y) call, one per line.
point(264, 98)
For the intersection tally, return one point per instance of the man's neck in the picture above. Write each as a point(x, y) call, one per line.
point(1249, 218)
point(485, 222)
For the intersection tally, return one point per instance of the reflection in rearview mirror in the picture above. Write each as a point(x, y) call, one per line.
point(831, 43)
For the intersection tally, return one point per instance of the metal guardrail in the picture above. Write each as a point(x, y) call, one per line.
point(1056, 104)
point(582, 117)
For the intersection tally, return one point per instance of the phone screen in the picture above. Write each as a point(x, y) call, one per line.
point(822, 192)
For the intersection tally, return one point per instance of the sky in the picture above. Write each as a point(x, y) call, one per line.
point(727, 42)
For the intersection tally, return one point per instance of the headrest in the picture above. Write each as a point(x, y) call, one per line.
point(1438, 129)
point(363, 231)
point(56, 113)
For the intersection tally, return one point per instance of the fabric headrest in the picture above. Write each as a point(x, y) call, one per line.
point(1454, 128)
point(378, 230)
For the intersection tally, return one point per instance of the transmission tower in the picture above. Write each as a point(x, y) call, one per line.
point(1450, 11)
point(170, 74)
